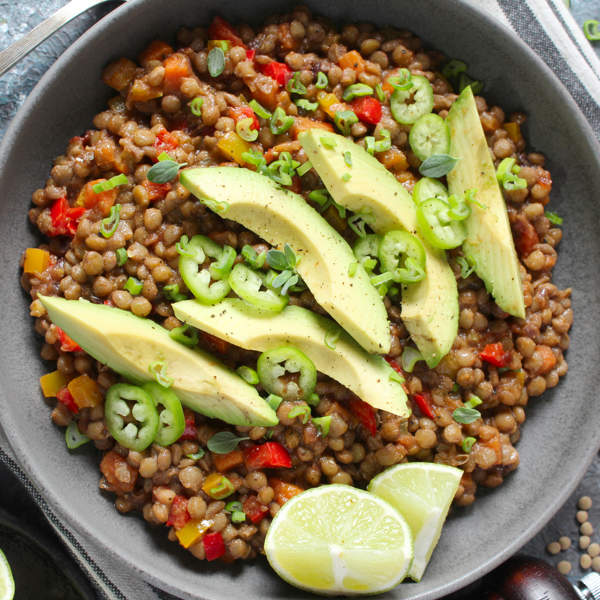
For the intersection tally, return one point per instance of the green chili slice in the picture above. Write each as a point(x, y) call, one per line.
point(171, 420)
point(407, 105)
point(436, 225)
point(402, 254)
point(247, 284)
point(274, 364)
point(131, 417)
point(356, 90)
point(366, 251)
point(253, 258)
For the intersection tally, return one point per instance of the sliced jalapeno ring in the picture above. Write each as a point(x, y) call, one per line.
point(428, 136)
point(437, 226)
point(221, 268)
point(247, 284)
point(274, 364)
point(171, 420)
point(421, 94)
point(403, 255)
point(136, 427)
point(459, 209)
point(366, 251)
point(427, 188)
point(199, 281)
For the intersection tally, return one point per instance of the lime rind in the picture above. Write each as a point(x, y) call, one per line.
point(7, 583)
point(336, 539)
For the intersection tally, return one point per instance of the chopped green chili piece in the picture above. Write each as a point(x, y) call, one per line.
point(396, 377)
point(171, 420)
point(109, 184)
point(273, 364)
point(164, 156)
point(274, 401)
point(216, 61)
point(323, 424)
point(304, 168)
point(314, 399)
point(280, 122)
point(244, 129)
point(233, 506)
point(223, 489)
point(300, 411)
point(410, 357)
point(306, 105)
point(109, 224)
point(254, 157)
point(260, 110)
point(467, 443)
point(248, 284)
point(159, 370)
point(295, 86)
point(554, 218)
point(385, 142)
point(179, 334)
point(370, 144)
point(356, 90)
point(453, 68)
point(357, 223)
point(121, 256)
point(133, 286)
point(322, 81)
point(248, 374)
point(196, 106)
point(344, 119)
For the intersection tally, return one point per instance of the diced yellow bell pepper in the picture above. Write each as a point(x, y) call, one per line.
point(514, 131)
point(193, 531)
point(233, 146)
point(217, 486)
point(330, 103)
point(52, 383)
point(36, 261)
point(85, 391)
point(223, 44)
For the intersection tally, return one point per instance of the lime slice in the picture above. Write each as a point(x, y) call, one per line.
point(336, 539)
point(422, 492)
point(7, 583)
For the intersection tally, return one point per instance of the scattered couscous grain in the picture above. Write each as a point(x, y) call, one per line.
point(564, 567)
point(594, 549)
point(596, 564)
point(586, 528)
point(553, 548)
point(581, 516)
point(585, 561)
point(565, 542)
point(584, 503)
point(584, 542)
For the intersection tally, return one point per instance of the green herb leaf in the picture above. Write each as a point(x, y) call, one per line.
point(197, 456)
point(164, 171)
point(196, 106)
point(467, 444)
point(216, 61)
point(290, 283)
point(248, 374)
point(437, 165)
point(453, 68)
point(554, 218)
point(277, 260)
point(322, 81)
point(224, 442)
point(466, 415)
point(303, 411)
point(323, 424)
point(73, 437)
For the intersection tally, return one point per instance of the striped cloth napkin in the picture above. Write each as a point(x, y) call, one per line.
point(549, 29)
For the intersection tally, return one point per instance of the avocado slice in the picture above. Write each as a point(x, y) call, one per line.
point(130, 344)
point(281, 217)
point(429, 307)
point(367, 375)
point(489, 240)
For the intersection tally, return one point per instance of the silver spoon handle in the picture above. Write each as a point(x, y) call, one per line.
point(15, 52)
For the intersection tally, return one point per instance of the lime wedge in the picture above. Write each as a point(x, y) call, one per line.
point(7, 583)
point(336, 539)
point(422, 492)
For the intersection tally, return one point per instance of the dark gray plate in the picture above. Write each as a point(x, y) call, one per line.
point(562, 435)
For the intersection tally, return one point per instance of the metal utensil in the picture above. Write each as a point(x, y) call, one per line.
point(21, 48)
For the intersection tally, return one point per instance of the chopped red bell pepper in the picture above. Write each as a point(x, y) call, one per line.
point(165, 142)
point(496, 355)
point(254, 510)
point(220, 29)
point(65, 218)
point(244, 112)
point(178, 515)
point(365, 414)
point(64, 397)
point(214, 546)
point(250, 54)
point(189, 433)
point(367, 109)
point(270, 455)
point(423, 401)
point(280, 72)
point(395, 366)
point(66, 343)
point(156, 191)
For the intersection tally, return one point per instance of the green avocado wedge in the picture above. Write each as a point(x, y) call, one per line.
point(429, 307)
point(369, 376)
point(130, 344)
point(281, 217)
point(489, 240)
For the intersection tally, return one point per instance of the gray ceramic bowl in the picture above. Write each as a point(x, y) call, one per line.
point(561, 435)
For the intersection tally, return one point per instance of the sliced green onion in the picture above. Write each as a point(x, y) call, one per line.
point(244, 129)
point(377, 280)
point(109, 224)
point(346, 177)
point(133, 286)
point(121, 256)
point(332, 336)
point(273, 400)
point(467, 443)
point(260, 110)
point(410, 357)
point(295, 86)
point(506, 174)
point(171, 292)
point(300, 411)
point(473, 401)
point(238, 516)
point(591, 31)
point(323, 424)
point(158, 369)
point(304, 168)
point(356, 90)
point(370, 144)
point(465, 268)
point(348, 158)
point(357, 224)
point(248, 374)
point(307, 105)
point(197, 455)
point(385, 142)
point(322, 81)
point(328, 142)
point(233, 506)
point(113, 182)
point(320, 196)
point(401, 81)
point(314, 399)
point(380, 93)
point(344, 119)
point(352, 268)
point(73, 437)
point(179, 334)
point(554, 218)
point(196, 106)
point(216, 61)
point(255, 260)
point(280, 122)
point(254, 157)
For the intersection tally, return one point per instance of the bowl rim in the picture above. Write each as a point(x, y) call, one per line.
point(87, 530)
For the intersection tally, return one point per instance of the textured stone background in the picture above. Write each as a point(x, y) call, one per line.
point(18, 17)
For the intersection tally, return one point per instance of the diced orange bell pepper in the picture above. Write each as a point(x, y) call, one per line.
point(303, 123)
point(119, 74)
point(85, 391)
point(191, 533)
point(352, 60)
point(284, 491)
point(331, 104)
point(233, 146)
point(177, 66)
point(142, 92)
point(514, 131)
point(36, 261)
point(52, 383)
point(225, 462)
point(157, 50)
point(103, 200)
